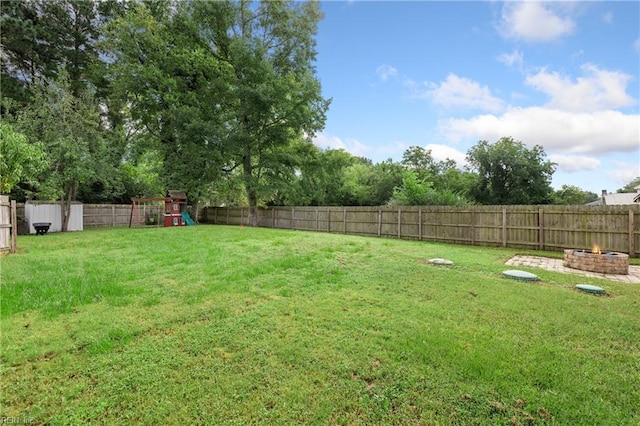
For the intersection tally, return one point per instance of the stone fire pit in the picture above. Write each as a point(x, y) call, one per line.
point(605, 263)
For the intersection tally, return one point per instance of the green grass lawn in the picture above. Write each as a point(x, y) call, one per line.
point(235, 325)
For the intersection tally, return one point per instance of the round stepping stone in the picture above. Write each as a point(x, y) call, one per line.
point(590, 288)
point(520, 275)
point(439, 261)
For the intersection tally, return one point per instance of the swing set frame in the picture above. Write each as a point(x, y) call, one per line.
point(148, 206)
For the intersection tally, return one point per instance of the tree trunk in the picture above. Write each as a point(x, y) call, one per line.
point(253, 209)
point(195, 217)
point(65, 207)
point(64, 214)
point(250, 187)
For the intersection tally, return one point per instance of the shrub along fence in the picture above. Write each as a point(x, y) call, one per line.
point(545, 227)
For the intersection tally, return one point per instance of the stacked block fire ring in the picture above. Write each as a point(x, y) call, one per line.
point(595, 260)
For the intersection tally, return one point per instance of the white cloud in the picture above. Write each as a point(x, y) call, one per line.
point(394, 149)
point(596, 90)
point(623, 173)
point(575, 163)
point(442, 152)
point(386, 71)
point(458, 92)
point(514, 59)
point(600, 132)
point(607, 18)
point(352, 146)
point(534, 21)
point(359, 149)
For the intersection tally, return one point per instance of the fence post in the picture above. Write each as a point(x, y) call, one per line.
point(293, 219)
point(540, 229)
point(14, 228)
point(379, 222)
point(399, 222)
point(228, 208)
point(473, 225)
point(504, 227)
point(419, 223)
point(316, 220)
point(328, 220)
point(632, 248)
point(344, 219)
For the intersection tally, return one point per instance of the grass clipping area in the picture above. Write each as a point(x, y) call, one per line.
point(236, 325)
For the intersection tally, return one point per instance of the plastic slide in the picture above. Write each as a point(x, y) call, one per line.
point(187, 219)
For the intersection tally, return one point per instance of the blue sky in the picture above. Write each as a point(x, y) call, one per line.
point(445, 75)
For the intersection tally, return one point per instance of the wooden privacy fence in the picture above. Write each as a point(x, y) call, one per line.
point(99, 215)
point(547, 227)
point(106, 215)
point(8, 225)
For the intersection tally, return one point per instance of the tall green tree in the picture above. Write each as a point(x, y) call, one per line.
point(70, 129)
point(40, 36)
point(444, 174)
point(336, 177)
point(510, 173)
point(358, 184)
point(175, 90)
point(320, 178)
point(387, 175)
point(222, 86)
point(419, 160)
point(270, 49)
point(570, 194)
point(456, 181)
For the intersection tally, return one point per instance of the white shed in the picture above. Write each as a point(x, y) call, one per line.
point(49, 211)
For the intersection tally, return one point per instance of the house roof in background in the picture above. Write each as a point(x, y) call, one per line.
point(618, 199)
point(177, 195)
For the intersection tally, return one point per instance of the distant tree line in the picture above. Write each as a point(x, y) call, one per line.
point(105, 101)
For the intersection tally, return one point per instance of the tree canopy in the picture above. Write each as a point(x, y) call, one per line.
point(20, 161)
point(220, 99)
point(69, 127)
point(223, 86)
point(510, 173)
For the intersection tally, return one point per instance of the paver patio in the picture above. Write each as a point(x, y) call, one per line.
point(551, 264)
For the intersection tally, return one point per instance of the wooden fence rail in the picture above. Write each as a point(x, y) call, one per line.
point(548, 227)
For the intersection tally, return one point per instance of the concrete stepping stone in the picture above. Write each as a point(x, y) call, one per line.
point(520, 275)
point(590, 288)
point(440, 261)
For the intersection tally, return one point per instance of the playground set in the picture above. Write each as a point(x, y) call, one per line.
point(174, 213)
